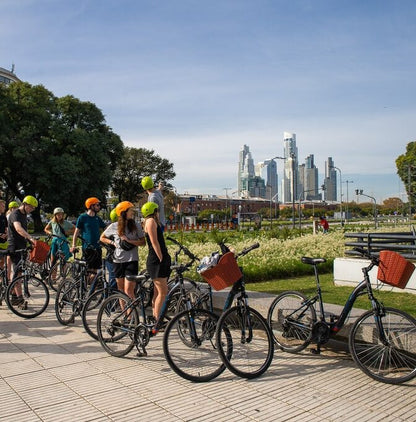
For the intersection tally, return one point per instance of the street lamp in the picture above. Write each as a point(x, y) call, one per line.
point(346, 213)
point(360, 192)
point(340, 191)
point(226, 199)
point(270, 209)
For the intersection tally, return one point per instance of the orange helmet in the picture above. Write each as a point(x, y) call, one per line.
point(91, 201)
point(123, 206)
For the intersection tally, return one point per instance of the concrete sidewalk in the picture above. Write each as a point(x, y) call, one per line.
point(53, 373)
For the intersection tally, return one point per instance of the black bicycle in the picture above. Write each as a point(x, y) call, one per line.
point(26, 295)
point(199, 346)
point(382, 341)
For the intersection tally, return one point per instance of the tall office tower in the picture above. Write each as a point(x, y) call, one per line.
point(267, 170)
point(311, 179)
point(330, 183)
point(290, 172)
point(245, 172)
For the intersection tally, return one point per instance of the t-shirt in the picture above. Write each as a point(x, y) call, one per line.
point(90, 229)
point(120, 255)
point(15, 240)
point(157, 197)
point(66, 226)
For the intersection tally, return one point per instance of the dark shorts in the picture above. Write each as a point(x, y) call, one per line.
point(157, 269)
point(123, 269)
point(93, 257)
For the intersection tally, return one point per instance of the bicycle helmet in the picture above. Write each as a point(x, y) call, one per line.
point(113, 215)
point(123, 206)
point(58, 210)
point(147, 183)
point(13, 204)
point(91, 201)
point(30, 200)
point(149, 208)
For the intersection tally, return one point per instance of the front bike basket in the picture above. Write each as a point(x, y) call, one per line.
point(224, 274)
point(393, 269)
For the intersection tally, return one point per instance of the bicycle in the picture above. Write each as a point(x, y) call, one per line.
point(58, 268)
point(382, 341)
point(199, 345)
point(123, 323)
point(75, 290)
point(35, 294)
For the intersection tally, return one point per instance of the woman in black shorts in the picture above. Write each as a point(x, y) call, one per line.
point(125, 235)
point(158, 260)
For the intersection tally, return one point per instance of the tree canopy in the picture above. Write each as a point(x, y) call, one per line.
point(135, 164)
point(57, 149)
point(406, 169)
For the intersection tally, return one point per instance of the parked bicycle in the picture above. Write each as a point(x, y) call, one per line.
point(34, 298)
point(199, 346)
point(382, 341)
point(123, 323)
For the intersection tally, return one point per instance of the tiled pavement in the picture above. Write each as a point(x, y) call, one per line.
point(53, 373)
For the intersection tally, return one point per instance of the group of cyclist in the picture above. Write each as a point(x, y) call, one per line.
point(123, 235)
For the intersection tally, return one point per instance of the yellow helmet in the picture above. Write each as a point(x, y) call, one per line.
point(149, 208)
point(147, 183)
point(30, 200)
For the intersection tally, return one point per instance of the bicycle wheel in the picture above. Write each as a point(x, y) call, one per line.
point(67, 302)
point(392, 361)
point(251, 346)
point(35, 297)
point(291, 321)
point(189, 345)
point(57, 274)
point(91, 308)
point(116, 324)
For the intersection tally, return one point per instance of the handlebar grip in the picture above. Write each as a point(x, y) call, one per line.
point(250, 248)
point(173, 240)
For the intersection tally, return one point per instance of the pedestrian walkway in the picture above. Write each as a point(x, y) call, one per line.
point(53, 373)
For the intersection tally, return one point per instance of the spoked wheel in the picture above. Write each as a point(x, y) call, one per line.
point(116, 324)
point(291, 321)
point(189, 345)
point(57, 274)
point(392, 361)
point(34, 299)
point(252, 345)
point(91, 308)
point(67, 301)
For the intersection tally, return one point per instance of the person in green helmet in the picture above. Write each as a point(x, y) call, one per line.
point(3, 227)
point(18, 236)
point(158, 260)
point(156, 196)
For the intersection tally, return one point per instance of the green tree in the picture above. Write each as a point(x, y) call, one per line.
point(135, 164)
point(57, 149)
point(406, 169)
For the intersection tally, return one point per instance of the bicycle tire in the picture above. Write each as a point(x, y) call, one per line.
point(90, 310)
point(195, 359)
point(67, 301)
point(57, 274)
point(392, 363)
point(35, 299)
point(252, 346)
point(291, 321)
point(116, 331)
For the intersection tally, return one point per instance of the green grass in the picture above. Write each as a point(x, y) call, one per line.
point(337, 295)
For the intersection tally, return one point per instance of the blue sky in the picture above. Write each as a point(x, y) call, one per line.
point(197, 80)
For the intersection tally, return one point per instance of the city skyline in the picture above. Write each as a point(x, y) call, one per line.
point(194, 81)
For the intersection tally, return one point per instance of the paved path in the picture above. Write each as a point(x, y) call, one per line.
point(54, 373)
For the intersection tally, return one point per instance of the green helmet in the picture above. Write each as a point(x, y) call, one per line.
point(147, 183)
point(149, 208)
point(13, 204)
point(113, 215)
point(30, 200)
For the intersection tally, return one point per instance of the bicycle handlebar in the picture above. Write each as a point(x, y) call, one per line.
point(367, 254)
point(249, 249)
point(184, 249)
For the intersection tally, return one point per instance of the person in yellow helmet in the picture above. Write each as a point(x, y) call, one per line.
point(156, 196)
point(18, 236)
point(158, 260)
point(125, 235)
point(3, 227)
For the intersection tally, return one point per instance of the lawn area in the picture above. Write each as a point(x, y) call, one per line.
point(337, 295)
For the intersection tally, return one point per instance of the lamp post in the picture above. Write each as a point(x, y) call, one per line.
point(360, 192)
point(346, 212)
point(270, 209)
point(340, 191)
point(226, 199)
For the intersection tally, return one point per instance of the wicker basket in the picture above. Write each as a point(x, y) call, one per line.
point(40, 252)
point(224, 274)
point(393, 269)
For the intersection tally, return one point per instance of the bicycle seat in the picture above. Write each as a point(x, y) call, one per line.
point(312, 261)
point(137, 278)
point(4, 252)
